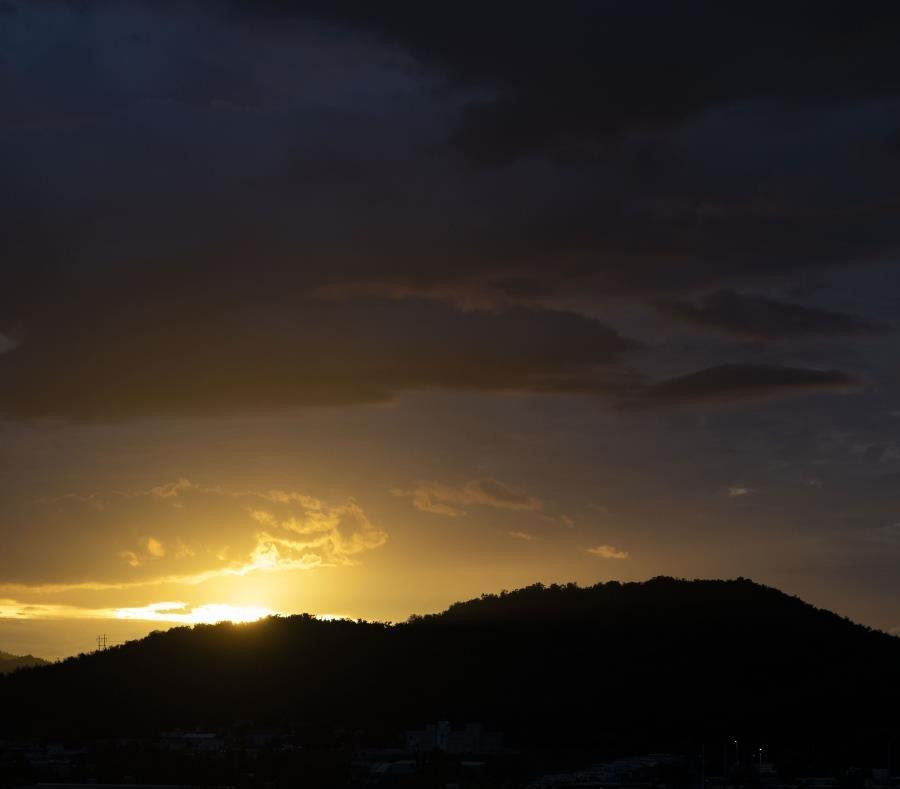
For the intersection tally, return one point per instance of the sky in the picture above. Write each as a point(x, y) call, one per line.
point(359, 309)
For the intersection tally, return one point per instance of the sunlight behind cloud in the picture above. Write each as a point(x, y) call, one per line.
point(200, 615)
point(174, 612)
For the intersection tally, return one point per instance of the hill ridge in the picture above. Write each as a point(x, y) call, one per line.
point(650, 660)
point(10, 662)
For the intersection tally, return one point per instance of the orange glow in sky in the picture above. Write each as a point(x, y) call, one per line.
point(182, 613)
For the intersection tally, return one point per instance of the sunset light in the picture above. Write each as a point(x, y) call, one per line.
point(488, 395)
point(181, 613)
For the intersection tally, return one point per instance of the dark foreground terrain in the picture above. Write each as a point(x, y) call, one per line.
point(576, 674)
point(10, 663)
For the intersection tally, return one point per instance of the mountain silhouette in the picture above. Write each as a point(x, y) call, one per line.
point(634, 664)
point(9, 663)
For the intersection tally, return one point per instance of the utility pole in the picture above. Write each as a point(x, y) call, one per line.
point(101, 642)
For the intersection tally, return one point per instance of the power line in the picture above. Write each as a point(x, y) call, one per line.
point(105, 642)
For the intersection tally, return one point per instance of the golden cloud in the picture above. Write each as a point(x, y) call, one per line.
point(607, 552)
point(186, 533)
point(441, 499)
point(172, 612)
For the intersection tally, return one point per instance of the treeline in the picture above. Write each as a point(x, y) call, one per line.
point(636, 665)
point(10, 663)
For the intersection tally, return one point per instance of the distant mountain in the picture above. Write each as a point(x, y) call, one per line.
point(9, 663)
point(637, 664)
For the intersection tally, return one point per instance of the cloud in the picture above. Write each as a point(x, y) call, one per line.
point(736, 491)
point(559, 520)
point(492, 493)
point(183, 613)
point(314, 353)
point(172, 490)
point(320, 535)
point(415, 216)
point(521, 535)
point(170, 612)
point(242, 199)
point(14, 609)
point(434, 497)
point(214, 532)
point(737, 382)
point(441, 499)
point(607, 552)
point(608, 71)
point(149, 548)
point(759, 317)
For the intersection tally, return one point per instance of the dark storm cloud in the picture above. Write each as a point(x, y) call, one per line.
point(326, 142)
point(106, 359)
point(216, 206)
point(734, 382)
point(760, 317)
point(712, 142)
point(590, 71)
